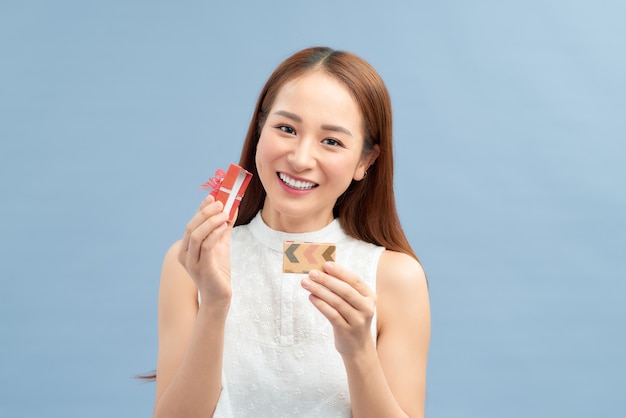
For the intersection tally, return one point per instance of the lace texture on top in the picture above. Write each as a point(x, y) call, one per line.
point(279, 354)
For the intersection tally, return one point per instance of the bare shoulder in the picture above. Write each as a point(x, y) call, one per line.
point(399, 272)
point(401, 287)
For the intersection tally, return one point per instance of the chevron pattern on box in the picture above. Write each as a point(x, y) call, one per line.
point(302, 257)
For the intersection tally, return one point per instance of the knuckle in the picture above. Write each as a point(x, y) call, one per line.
point(334, 316)
point(206, 245)
point(209, 210)
point(361, 323)
point(354, 280)
point(196, 238)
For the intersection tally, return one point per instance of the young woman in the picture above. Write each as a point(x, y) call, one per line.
point(240, 338)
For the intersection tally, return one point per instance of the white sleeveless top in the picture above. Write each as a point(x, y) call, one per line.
point(279, 353)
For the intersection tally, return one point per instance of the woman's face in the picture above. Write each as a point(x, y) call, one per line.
point(309, 152)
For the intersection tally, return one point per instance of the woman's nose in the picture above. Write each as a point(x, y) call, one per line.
point(302, 156)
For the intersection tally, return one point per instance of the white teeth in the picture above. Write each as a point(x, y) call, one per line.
point(296, 184)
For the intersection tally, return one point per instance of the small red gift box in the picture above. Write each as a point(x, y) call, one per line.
point(229, 188)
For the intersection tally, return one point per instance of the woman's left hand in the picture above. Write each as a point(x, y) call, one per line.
point(347, 302)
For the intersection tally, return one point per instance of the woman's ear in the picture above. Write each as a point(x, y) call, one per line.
point(366, 163)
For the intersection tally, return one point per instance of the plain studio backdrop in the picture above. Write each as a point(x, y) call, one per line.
point(510, 176)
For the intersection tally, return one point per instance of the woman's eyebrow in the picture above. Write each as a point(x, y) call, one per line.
point(336, 128)
point(289, 115)
point(298, 119)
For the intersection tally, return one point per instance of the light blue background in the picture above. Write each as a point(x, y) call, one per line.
point(510, 145)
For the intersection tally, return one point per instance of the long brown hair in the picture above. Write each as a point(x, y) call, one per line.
point(367, 209)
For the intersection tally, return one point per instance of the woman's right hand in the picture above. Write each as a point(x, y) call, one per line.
point(205, 252)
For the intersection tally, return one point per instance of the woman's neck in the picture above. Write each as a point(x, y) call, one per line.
point(280, 222)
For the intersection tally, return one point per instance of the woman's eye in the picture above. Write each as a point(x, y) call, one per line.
point(331, 141)
point(287, 129)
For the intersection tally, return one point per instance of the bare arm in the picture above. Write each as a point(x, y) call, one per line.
point(191, 340)
point(394, 383)
point(191, 336)
point(387, 379)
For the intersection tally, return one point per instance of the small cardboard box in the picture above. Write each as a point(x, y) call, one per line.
point(302, 257)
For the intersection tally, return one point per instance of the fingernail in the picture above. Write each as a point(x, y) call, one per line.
point(314, 274)
point(306, 283)
point(328, 265)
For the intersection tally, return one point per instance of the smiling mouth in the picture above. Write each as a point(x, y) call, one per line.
point(296, 184)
